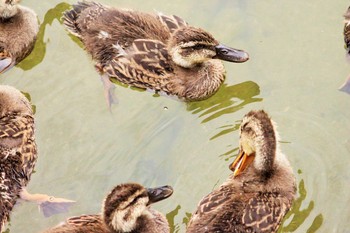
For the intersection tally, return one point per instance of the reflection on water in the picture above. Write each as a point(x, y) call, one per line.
point(299, 216)
point(171, 219)
point(227, 100)
point(27, 95)
point(39, 51)
point(175, 227)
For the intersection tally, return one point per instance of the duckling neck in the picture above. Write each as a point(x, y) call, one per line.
point(7, 11)
point(145, 222)
point(199, 82)
point(265, 152)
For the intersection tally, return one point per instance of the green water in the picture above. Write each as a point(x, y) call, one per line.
point(297, 63)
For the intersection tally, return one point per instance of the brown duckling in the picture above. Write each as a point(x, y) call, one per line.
point(125, 209)
point(18, 30)
point(18, 155)
point(345, 87)
point(346, 30)
point(151, 51)
point(261, 189)
point(18, 152)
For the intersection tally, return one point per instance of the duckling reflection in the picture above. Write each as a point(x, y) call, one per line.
point(157, 52)
point(227, 100)
point(38, 54)
point(18, 154)
point(125, 209)
point(261, 189)
point(18, 30)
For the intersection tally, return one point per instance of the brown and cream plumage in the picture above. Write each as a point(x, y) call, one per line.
point(18, 151)
point(125, 209)
point(151, 51)
point(18, 30)
point(347, 29)
point(259, 193)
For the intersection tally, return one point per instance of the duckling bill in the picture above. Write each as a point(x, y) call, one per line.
point(256, 197)
point(151, 51)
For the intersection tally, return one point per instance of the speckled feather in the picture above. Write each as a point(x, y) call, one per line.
point(347, 29)
point(18, 152)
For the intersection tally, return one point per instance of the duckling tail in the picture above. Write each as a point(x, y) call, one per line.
point(70, 18)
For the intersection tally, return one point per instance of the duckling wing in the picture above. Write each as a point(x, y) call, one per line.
point(145, 64)
point(265, 212)
point(172, 22)
point(84, 220)
point(208, 212)
point(17, 135)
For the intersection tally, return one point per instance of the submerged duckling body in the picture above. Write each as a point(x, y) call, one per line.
point(125, 209)
point(151, 51)
point(18, 151)
point(259, 193)
point(18, 30)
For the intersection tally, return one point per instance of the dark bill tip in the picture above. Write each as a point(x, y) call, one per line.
point(159, 193)
point(229, 54)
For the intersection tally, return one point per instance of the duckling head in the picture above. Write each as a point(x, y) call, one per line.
point(8, 8)
point(257, 145)
point(127, 202)
point(12, 100)
point(189, 46)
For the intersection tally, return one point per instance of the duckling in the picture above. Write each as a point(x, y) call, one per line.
point(18, 30)
point(18, 151)
point(261, 189)
point(151, 51)
point(18, 155)
point(125, 209)
point(345, 87)
point(346, 30)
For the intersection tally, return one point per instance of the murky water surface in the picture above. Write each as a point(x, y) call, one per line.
point(297, 63)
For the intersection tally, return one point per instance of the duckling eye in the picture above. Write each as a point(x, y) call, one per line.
point(198, 46)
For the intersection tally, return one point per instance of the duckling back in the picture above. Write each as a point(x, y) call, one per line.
point(100, 27)
point(18, 152)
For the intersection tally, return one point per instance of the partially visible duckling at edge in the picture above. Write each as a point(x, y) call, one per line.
point(151, 51)
point(259, 193)
point(346, 86)
point(18, 155)
point(18, 30)
point(125, 209)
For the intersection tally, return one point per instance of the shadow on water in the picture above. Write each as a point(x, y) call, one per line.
point(296, 217)
point(39, 51)
point(227, 100)
point(292, 221)
point(175, 227)
point(27, 95)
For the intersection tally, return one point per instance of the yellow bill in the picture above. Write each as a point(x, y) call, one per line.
point(241, 162)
